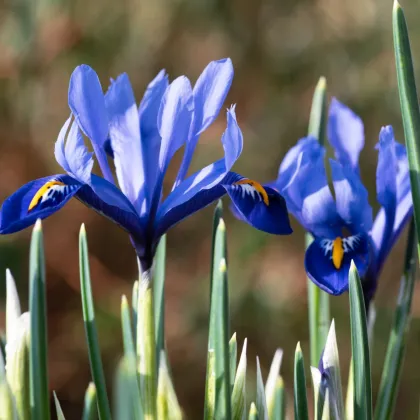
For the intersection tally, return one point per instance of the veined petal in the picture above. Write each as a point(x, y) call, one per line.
point(320, 266)
point(86, 101)
point(308, 196)
point(351, 198)
point(124, 132)
point(150, 137)
point(36, 200)
point(345, 133)
point(232, 139)
point(260, 206)
point(209, 93)
point(72, 154)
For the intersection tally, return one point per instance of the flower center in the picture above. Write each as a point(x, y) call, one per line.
point(249, 186)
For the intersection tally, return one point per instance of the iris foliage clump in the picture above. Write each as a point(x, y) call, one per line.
point(346, 247)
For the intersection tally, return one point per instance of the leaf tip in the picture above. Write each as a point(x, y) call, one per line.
point(38, 226)
point(91, 390)
point(322, 83)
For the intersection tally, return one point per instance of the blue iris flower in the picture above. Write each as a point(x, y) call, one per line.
point(342, 226)
point(141, 141)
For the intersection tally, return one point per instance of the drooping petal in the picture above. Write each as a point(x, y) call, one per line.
point(36, 200)
point(211, 175)
point(320, 267)
point(209, 92)
point(86, 101)
point(351, 198)
point(150, 137)
point(307, 194)
point(59, 147)
point(124, 132)
point(261, 207)
point(345, 133)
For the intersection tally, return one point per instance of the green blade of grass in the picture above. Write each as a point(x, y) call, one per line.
point(300, 398)
point(391, 372)
point(261, 398)
point(90, 410)
point(253, 412)
point(280, 413)
point(90, 328)
point(318, 300)
point(167, 403)
point(219, 327)
point(126, 326)
point(38, 353)
point(233, 355)
point(409, 104)
point(239, 388)
point(134, 303)
point(271, 385)
point(360, 349)
point(159, 296)
point(125, 390)
point(58, 410)
point(146, 348)
point(7, 409)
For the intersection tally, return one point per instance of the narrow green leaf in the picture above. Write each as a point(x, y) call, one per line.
point(360, 348)
point(58, 410)
point(126, 325)
point(7, 409)
point(318, 392)
point(146, 349)
point(38, 353)
point(13, 311)
point(280, 413)
point(391, 372)
point(326, 413)
point(409, 104)
point(159, 296)
point(233, 354)
point(17, 374)
point(350, 393)
point(134, 303)
point(239, 388)
point(210, 391)
point(90, 410)
point(219, 326)
point(253, 412)
point(167, 403)
point(318, 300)
point(123, 401)
point(300, 398)
point(271, 385)
point(90, 328)
point(331, 364)
point(261, 399)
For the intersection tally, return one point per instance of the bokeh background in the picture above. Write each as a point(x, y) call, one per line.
point(279, 50)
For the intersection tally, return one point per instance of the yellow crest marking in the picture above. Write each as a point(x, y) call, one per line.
point(40, 193)
point(337, 252)
point(257, 186)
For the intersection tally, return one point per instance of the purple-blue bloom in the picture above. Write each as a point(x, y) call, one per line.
point(342, 225)
point(141, 141)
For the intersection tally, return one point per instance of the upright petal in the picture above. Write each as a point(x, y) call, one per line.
point(72, 153)
point(345, 133)
point(36, 200)
point(124, 131)
point(86, 101)
point(351, 198)
point(211, 175)
point(308, 195)
point(320, 267)
point(150, 137)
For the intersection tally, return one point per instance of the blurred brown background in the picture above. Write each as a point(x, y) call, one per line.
point(279, 50)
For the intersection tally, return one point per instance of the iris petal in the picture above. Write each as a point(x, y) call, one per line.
point(150, 137)
point(308, 195)
point(86, 101)
point(124, 132)
point(209, 92)
point(36, 200)
point(321, 270)
point(351, 198)
point(264, 209)
point(345, 133)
